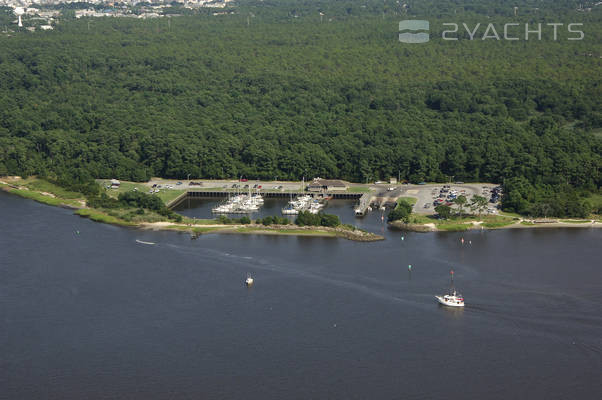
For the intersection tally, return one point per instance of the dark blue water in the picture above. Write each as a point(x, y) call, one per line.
point(97, 315)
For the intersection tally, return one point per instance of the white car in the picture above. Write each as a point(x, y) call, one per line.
point(391, 189)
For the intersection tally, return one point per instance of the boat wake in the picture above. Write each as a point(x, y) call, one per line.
point(143, 242)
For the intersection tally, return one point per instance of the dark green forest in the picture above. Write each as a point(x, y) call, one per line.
point(274, 90)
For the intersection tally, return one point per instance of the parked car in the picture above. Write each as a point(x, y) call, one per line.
point(179, 183)
point(391, 189)
point(244, 180)
point(258, 186)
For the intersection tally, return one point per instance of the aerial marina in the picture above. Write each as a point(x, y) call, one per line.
point(303, 203)
point(240, 204)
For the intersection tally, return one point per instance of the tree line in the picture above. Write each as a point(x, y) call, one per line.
point(285, 97)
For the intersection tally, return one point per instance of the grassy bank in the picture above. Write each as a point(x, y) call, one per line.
point(99, 216)
point(284, 231)
point(425, 223)
point(48, 193)
point(44, 192)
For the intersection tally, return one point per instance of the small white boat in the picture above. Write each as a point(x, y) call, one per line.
point(289, 210)
point(453, 298)
point(143, 242)
point(249, 281)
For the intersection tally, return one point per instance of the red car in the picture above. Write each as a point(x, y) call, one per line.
point(259, 187)
point(243, 179)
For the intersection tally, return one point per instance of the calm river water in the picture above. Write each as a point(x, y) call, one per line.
point(86, 312)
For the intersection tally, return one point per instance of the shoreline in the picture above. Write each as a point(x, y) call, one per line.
point(285, 230)
point(196, 229)
point(476, 226)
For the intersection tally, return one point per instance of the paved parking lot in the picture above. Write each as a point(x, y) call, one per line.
point(426, 194)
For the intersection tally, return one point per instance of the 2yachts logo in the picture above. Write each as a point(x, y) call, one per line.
point(509, 31)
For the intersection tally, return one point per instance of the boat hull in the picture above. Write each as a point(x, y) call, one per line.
point(449, 303)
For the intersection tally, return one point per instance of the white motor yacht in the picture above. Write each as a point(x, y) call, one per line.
point(453, 298)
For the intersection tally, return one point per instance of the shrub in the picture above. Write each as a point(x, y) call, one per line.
point(305, 218)
point(401, 211)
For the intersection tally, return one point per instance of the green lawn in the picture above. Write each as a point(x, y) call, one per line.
point(497, 224)
point(166, 195)
point(358, 189)
point(42, 185)
point(454, 227)
point(509, 214)
point(409, 200)
point(462, 223)
point(124, 187)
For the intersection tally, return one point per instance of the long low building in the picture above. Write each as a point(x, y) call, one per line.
point(319, 185)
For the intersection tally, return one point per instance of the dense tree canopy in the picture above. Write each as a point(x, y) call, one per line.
point(282, 95)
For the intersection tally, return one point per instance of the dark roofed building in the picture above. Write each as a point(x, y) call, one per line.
point(319, 185)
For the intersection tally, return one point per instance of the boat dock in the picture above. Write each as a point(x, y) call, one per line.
point(191, 194)
point(364, 204)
